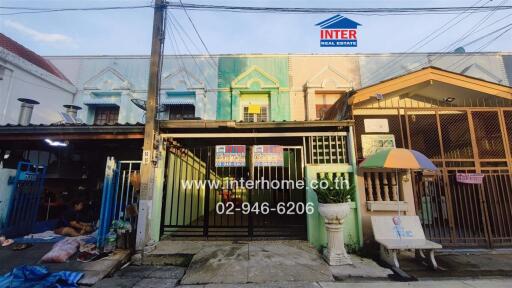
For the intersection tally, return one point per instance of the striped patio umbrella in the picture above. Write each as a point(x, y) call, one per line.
point(398, 158)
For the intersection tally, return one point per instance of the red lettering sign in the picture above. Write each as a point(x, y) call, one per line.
point(342, 34)
point(352, 34)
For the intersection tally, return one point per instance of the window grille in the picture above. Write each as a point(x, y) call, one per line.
point(254, 117)
point(326, 149)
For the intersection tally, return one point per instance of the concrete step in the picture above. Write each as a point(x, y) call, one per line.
point(176, 259)
point(360, 269)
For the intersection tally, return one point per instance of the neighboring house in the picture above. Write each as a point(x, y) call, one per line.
point(318, 81)
point(108, 86)
point(464, 125)
point(24, 74)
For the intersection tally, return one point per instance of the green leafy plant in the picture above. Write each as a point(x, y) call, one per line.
point(333, 192)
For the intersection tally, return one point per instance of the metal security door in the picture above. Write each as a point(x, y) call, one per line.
point(225, 199)
point(205, 200)
point(24, 204)
point(466, 215)
point(287, 222)
point(464, 141)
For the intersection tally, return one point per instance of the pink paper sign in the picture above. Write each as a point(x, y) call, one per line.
point(470, 178)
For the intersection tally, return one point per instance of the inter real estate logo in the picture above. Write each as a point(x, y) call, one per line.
point(338, 31)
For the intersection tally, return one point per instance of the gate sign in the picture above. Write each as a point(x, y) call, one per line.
point(470, 178)
point(268, 155)
point(230, 156)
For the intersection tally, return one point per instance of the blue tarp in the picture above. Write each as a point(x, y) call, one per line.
point(39, 277)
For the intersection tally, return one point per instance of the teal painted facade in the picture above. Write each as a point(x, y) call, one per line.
point(239, 76)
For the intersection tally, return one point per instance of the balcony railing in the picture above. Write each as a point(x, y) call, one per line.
point(384, 190)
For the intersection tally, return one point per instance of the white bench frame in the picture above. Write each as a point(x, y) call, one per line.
point(390, 248)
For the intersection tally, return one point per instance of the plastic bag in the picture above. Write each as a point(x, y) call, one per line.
point(61, 251)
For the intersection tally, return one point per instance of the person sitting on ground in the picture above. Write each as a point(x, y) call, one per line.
point(69, 223)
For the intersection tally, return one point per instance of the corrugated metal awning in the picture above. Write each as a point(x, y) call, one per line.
point(102, 98)
point(171, 98)
point(103, 101)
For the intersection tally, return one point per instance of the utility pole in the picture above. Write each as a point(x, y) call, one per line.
point(149, 155)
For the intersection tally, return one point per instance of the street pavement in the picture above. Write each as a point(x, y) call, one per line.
point(169, 276)
point(296, 264)
point(144, 277)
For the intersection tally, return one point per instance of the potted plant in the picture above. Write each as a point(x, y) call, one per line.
point(334, 206)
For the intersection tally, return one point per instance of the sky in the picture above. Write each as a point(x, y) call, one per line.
point(128, 32)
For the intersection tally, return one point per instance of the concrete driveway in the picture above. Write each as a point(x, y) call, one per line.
point(257, 262)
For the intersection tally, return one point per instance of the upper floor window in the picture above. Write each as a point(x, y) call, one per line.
point(324, 101)
point(321, 109)
point(106, 115)
point(250, 115)
point(182, 111)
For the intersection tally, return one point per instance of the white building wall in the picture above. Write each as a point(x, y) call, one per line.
point(21, 79)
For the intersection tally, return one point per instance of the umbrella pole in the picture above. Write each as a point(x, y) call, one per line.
point(397, 196)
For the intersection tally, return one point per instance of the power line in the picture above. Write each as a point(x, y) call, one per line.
point(389, 67)
point(195, 29)
point(177, 32)
point(438, 57)
point(471, 30)
point(316, 10)
point(486, 35)
point(474, 29)
point(287, 10)
point(179, 27)
point(212, 62)
point(447, 50)
point(174, 43)
point(464, 59)
point(490, 24)
point(32, 10)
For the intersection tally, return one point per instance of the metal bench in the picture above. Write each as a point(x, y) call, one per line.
point(396, 233)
